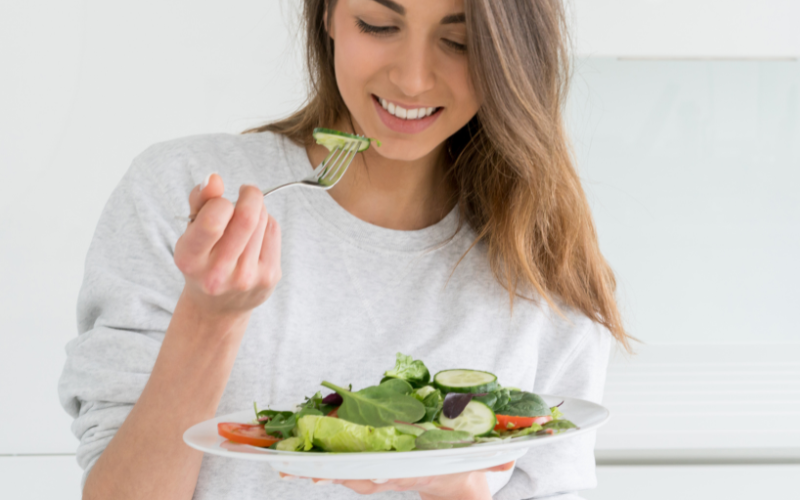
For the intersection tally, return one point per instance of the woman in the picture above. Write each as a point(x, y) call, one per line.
point(464, 240)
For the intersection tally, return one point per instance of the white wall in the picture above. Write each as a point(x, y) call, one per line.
point(692, 169)
point(687, 28)
point(87, 85)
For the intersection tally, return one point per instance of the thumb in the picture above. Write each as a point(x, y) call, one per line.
point(211, 187)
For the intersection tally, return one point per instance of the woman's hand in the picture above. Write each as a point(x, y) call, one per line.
point(229, 255)
point(461, 486)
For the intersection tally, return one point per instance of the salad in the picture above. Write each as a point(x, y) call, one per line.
point(406, 411)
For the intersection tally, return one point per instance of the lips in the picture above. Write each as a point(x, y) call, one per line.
point(406, 126)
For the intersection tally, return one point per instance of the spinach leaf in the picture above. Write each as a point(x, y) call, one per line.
point(397, 385)
point(377, 405)
point(440, 440)
point(524, 404)
point(434, 403)
point(281, 424)
point(498, 398)
point(413, 372)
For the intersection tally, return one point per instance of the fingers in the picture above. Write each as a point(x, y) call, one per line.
point(247, 266)
point(242, 224)
point(368, 487)
point(501, 468)
point(195, 245)
point(210, 214)
point(211, 187)
point(270, 256)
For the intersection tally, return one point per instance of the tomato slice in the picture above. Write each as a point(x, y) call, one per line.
point(508, 422)
point(251, 434)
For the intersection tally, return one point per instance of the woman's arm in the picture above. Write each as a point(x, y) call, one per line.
point(230, 258)
point(147, 458)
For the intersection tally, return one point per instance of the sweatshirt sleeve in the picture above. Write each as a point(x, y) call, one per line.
point(125, 304)
point(561, 469)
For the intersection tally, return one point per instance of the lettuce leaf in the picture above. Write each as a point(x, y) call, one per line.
point(337, 435)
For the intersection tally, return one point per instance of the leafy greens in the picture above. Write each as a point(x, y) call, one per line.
point(378, 405)
point(413, 372)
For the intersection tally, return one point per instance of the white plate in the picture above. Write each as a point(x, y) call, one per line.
point(391, 465)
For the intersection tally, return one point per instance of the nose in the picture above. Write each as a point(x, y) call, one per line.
point(413, 72)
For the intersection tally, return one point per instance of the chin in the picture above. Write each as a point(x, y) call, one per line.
point(401, 152)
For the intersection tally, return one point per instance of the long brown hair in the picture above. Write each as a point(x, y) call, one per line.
point(512, 163)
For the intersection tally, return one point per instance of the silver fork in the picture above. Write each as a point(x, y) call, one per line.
point(324, 176)
point(327, 173)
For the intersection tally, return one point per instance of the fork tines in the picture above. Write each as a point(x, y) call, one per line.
point(336, 163)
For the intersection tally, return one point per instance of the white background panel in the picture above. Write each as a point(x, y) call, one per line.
point(687, 28)
point(86, 87)
point(693, 170)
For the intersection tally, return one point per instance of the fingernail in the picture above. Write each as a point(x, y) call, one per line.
point(206, 180)
point(379, 481)
point(323, 481)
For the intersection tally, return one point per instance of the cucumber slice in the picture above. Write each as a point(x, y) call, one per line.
point(465, 381)
point(333, 138)
point(477, 419)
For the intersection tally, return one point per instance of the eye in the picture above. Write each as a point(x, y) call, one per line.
point(458, 47)
point(374, 30)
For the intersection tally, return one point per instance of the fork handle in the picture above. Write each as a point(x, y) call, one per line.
point(278, 188)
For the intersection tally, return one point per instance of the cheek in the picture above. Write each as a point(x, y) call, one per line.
point(356, 61)
point(460, 84)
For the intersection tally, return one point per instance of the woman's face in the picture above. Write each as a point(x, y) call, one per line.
point(402, 71)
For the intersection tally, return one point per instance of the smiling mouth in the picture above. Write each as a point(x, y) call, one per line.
point(403, 113)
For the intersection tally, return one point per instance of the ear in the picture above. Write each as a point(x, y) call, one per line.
point(328, 16)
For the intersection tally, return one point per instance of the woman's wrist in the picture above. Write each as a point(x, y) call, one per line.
point(205, 324)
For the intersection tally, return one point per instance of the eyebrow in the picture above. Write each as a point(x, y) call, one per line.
point(389, 4)
point(451, 19)
point(454, 19)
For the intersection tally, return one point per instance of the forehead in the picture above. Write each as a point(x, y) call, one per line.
point(414, 7)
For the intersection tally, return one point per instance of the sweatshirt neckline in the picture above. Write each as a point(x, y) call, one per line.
point(360, 232)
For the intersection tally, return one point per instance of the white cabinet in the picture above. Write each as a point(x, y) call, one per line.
point(698, 482)
point(687, 28)
point(702, 404)
point(36, 478)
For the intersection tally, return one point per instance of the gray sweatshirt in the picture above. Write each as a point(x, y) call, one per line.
point(352, 296)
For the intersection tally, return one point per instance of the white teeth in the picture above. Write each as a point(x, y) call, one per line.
point(406, 114)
